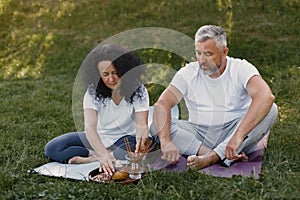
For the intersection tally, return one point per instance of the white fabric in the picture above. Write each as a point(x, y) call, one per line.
point(115, 120)
point(71, 171)
point(215, 101)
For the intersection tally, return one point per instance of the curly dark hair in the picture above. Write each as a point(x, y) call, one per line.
point(129, 68)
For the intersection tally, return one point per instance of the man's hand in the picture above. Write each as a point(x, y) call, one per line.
point(170, 152)
point(232, 147)
point(162, 119)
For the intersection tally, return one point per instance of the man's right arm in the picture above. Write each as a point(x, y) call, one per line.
point(162, 119)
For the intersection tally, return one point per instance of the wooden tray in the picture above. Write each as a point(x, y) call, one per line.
point(95, 172)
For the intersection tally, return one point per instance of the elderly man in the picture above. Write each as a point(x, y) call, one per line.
point(230, 106)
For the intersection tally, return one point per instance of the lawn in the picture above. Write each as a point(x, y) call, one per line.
point(43, 43)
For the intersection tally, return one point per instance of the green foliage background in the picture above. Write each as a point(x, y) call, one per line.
point(43, 43)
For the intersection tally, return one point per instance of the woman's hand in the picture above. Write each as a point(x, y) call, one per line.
point(140, 144)
point(106, 163)
point(142, 130)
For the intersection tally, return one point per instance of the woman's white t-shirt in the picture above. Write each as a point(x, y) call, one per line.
point(115, 121)
point(215, 101)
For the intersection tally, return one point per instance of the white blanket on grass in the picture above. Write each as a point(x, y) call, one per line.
point(70, 171)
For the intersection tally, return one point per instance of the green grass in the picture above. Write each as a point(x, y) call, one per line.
point(43, 43)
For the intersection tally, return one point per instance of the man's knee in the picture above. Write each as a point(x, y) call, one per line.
point(273, 112)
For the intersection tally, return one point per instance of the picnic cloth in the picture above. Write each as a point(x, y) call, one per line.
point(250, 168)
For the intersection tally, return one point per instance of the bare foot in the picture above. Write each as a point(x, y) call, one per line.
point(202, 161)
point(81, 160)
point(195, 162)
point(244, 157)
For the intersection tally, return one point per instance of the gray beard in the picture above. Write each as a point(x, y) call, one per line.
point(211, 71)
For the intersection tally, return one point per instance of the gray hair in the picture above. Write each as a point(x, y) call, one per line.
point(211, 32)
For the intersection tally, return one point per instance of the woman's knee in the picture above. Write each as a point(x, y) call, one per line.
point(56, 145)
point(51, 148)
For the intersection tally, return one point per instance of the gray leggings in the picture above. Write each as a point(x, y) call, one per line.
point(189, 137)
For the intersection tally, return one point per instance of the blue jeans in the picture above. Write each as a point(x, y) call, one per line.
point(68, 145)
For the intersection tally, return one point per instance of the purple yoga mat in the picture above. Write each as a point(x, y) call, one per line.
point(249, 168)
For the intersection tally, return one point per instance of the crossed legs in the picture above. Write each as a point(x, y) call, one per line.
point(207, 156)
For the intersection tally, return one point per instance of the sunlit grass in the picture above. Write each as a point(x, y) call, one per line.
point(43, 44)
point(28, 37)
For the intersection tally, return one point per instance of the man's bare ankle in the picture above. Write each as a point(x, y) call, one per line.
point(212, 158)
point(203, 150)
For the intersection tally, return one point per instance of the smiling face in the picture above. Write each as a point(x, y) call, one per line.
point(210, 57)
point(109, 74)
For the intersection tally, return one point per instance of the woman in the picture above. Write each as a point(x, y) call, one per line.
point(114, 110)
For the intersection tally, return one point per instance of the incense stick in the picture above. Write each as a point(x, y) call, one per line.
point(148, 144)
point(127, 146)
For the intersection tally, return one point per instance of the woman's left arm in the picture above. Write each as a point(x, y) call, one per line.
point(142, 130)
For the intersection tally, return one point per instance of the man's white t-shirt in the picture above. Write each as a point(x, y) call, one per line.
point(116, 121)
point(215, 101)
